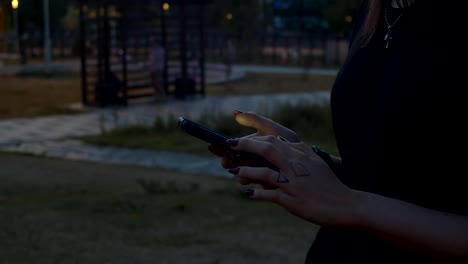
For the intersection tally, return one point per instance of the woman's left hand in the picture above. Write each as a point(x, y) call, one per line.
point(306, 186)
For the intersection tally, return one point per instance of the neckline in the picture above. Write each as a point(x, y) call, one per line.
point(393, 6)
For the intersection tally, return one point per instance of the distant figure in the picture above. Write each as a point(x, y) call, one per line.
point(283, 54)
point(156, 68)
point(23, 45)
point(229, 57)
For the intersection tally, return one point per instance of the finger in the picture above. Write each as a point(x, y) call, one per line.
point(252, 135)
point(302, 147)
point(274, 196)
point(264, 125)
point(286, 147)
point(247, 181)
point(260, 175)
point(250, 119)
point(276, 150)
point(216, 150)
point(228, 161)
point(268, 147)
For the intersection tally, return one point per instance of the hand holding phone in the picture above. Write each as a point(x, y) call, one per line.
point(219, 140)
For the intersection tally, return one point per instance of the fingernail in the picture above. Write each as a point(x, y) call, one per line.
point(232, 142)
point(236, 112)
point(282, 139)
point(249, 192)
point(234, 171)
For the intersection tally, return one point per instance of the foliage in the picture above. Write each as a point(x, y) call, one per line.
point(30, 13)
point(245, 16)
point(71, 19)
point(341, 14)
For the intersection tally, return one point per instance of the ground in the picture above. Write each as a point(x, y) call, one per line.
point(62, 211)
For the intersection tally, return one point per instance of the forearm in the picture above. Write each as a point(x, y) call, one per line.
point(427, 231)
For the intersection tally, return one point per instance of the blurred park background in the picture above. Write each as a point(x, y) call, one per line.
point(93, 166)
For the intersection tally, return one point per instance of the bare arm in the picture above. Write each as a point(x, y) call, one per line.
point(417, 228)
point(308, 188)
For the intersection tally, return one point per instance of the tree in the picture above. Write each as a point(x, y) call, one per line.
point(241, 16)
point(71, 19)
point(340, 14)
point(31, 13)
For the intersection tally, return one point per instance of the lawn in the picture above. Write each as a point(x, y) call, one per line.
point(37, 95)
point(312, 123)
point(256, 83)
point(61, 211)
point(31, 96)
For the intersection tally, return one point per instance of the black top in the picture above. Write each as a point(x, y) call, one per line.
point(399, 116)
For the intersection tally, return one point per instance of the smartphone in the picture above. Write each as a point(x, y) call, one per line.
point(217, 139)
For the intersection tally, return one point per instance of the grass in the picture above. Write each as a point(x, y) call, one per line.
point(272, 83)
point(32, 95)
point(61, 211)
point(37, 95)
point(312, 123)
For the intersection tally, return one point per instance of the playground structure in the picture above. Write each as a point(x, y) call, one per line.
point(115, 42)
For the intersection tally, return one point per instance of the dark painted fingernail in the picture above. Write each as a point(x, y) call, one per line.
point(236, 112)
point(234, 171)
point(232, 142)
point(249, 192)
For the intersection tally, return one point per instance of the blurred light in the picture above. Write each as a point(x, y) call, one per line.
point(277, 4)
point(166, 6)
point(229, 16)
point(14, 4)
point(348, 19)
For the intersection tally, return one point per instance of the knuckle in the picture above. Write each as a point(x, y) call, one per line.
point(271, 139)
point(303, 146)
point(294, 134)
point(275, 197)
point(267, 149)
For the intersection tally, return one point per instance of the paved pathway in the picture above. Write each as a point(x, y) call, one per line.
point(56, 136)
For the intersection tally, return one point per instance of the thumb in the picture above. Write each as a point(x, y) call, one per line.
point(250, 119)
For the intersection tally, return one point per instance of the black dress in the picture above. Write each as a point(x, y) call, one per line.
point(400, 117)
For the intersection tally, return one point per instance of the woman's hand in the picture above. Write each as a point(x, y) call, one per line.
point(305, 185)
point(264, 126)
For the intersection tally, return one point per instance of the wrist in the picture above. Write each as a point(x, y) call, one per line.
point(358, 208)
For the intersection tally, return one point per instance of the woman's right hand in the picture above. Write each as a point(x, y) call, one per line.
point(264, 126)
